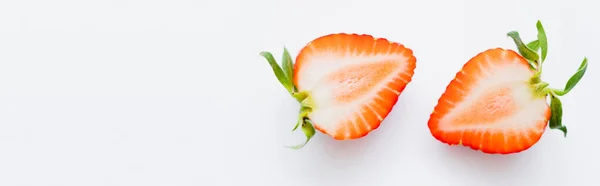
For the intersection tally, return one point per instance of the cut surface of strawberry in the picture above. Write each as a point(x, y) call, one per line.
point(347, 84)
point(497, 102)
point(491, 106)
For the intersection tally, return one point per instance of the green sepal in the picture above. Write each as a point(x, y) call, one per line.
point(531, 56)
point(556, 115)
point(543, 41)
point(297, 124)
point(288, 66)
point(278, 71)
point(574, 79)
point(300, 96)
point(534, 45)
point(303, 114)
point(309, 132)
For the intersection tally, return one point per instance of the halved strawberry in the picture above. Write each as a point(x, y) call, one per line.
point(497, 102)
point(347, 84)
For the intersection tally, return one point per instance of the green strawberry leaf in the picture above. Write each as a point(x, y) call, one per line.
point(534, 45)
point(574, 79)
point(542, 39)
point(288, 65)
point(527, 53)
point(309, 132)
point(278, 71)
point(556, 117)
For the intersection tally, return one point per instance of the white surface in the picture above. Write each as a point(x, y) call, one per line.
point(138, 92)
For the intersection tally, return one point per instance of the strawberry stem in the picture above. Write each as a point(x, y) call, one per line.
point(530, 53)
point(542, 88)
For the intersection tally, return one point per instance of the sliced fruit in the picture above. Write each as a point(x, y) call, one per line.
point(491, 105)
point(497, 101)
point(347, 84)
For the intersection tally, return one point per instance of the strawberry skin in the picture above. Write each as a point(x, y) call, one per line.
point(497, 102)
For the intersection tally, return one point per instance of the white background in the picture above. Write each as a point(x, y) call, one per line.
point(174, 93)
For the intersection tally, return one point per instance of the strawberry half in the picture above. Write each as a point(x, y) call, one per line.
point(346, 84)
point(497, 102)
